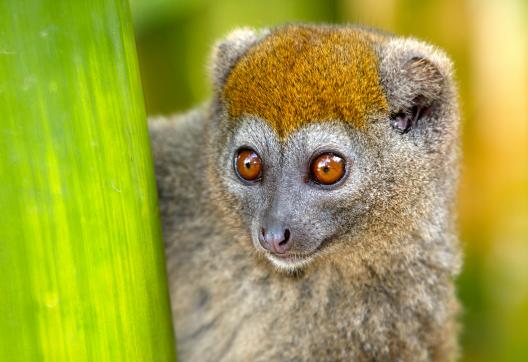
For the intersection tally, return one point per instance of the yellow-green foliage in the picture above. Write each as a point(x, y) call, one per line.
point(81, 263)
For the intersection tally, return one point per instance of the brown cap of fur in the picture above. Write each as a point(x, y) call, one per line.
point(299, 74)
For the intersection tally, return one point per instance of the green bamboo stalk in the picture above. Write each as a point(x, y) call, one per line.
point(82, 274)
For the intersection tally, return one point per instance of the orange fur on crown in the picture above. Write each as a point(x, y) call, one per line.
point(300, 74)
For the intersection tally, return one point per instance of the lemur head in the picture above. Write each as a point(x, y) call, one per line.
point(332, 141)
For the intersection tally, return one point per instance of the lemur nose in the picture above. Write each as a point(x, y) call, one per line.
point(276, 239)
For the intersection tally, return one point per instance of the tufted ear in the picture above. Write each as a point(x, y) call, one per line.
point(415, 76)
point(229, 50)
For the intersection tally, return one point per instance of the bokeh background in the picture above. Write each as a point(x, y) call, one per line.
point(488, 41)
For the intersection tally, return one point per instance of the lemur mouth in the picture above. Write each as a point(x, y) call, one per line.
point(289, 262)
point(294, 256)
point(294, 260)
point(288, 256)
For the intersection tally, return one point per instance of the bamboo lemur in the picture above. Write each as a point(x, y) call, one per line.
point(308, 208)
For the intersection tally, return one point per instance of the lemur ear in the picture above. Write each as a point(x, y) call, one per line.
point(229, 50)
point(414, 76)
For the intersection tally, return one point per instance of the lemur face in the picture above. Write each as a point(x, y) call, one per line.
point(315, 137)
point(288, 189)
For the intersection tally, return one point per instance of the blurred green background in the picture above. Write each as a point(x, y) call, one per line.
point(488, 41)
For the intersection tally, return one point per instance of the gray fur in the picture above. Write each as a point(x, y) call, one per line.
point(381, 286)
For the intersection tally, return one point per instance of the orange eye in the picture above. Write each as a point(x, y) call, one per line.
point(248, 165)
point(327, 169)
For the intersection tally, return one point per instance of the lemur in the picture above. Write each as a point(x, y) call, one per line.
point(308, 207)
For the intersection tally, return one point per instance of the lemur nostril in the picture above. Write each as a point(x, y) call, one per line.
point(262, 232)
point(286, 237)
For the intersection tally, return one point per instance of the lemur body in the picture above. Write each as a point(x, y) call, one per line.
point(363, 268)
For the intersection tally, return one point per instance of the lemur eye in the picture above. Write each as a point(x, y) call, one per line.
point(248, 164)
point(327, 168)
